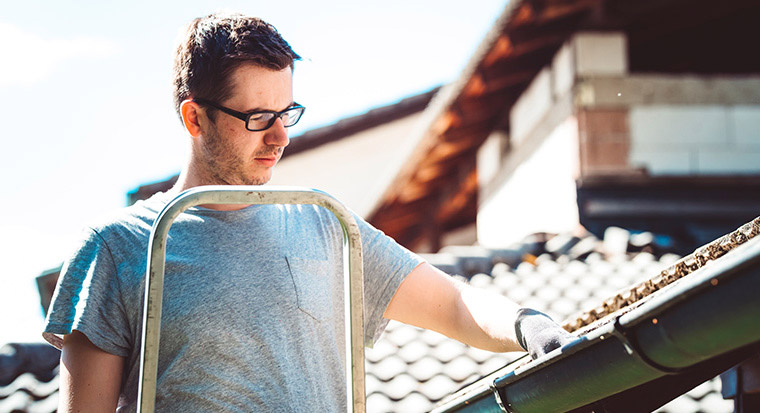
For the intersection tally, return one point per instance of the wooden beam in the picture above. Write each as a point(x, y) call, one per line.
point(501, 48)
point(477, 120)
point(502, 81)
point(524, 14)
point(532, 58)
point(394, 216)
point(446, 121)
point(562, 9)
point(432, 231)
point(494, 104)
point(451, 170)
point(475, 87)
point(445, 150)
point(430, 172)
point(413, 191)
point(550, 14)
point(471, 131)
point(529, 47)
point(459, 201)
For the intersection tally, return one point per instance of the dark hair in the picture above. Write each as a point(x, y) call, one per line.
point(215, 45)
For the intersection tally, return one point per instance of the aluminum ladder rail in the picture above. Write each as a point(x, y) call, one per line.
point(353, 281)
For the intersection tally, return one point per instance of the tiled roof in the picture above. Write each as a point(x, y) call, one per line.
point(28, 378)
point(410, 369)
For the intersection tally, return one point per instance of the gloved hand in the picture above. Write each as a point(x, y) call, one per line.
point(538, 334)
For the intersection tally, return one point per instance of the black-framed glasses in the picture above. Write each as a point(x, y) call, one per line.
point(260, 120)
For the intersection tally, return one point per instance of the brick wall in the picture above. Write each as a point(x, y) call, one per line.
point(604, 141)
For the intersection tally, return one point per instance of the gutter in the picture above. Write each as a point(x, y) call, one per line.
point(700, 319)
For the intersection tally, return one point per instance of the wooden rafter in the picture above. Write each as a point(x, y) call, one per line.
point(461, 198)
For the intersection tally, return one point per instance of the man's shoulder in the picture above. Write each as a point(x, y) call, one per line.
point(136, 219)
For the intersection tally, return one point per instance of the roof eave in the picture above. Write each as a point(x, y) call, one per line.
point(443, 102)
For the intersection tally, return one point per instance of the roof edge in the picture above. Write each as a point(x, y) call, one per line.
point(349, 126)
point(444, 100)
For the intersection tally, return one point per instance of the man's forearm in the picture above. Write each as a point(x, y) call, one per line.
point(486, 320)
point(431, 299)
point(493, 322)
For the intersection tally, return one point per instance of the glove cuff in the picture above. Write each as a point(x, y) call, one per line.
point(522, 313)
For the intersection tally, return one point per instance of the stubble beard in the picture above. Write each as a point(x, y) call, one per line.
point(226, 166)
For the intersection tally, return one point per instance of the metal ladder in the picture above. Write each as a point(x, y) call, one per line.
point(353, 288)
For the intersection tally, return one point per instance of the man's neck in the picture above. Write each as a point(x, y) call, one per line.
point(187, 180)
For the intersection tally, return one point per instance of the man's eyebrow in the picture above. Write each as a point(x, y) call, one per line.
point(259, 109)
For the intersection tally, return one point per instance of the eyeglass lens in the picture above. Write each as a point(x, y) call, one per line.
point(260, 121)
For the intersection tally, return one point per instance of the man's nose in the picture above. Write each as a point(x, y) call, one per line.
point(277, 135)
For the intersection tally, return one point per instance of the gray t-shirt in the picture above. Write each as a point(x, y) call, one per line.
point(253, 304)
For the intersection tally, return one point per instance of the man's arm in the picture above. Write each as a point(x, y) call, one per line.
point(430, 299)
point(90, 378)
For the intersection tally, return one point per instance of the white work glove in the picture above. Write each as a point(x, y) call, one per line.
point(538, 334)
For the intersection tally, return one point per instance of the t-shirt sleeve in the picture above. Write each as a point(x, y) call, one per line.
point(386, 265)
point(87, 299)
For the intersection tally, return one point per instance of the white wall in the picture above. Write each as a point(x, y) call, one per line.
point(539, 196)
point(531, 107)
point(600, 53)
point(354, 169)
point(696, 139)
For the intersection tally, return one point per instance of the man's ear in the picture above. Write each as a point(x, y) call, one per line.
point(190, 112)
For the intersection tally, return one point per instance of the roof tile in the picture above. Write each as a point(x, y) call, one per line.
point(414, 402)
point(448, 350)
point(460, 368)
point(438, 387)
point(564, 306)
point(576, 293)
point(400, 386)
point(519, 293)
point(388, 368)
point(478, 355)
point(548, 293)
point(714, 402)
point(425, 368)
point(379, 403)
point(402, 336)
point(381, 350)
point(481, 280)
point(496, 362)
point(413, 351)
point(432, 339)
point(372, 384)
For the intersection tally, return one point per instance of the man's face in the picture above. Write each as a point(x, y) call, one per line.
point(233, 155)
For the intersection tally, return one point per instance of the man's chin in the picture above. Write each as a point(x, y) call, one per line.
point(259, 180)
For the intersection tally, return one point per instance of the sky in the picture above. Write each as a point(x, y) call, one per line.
point(86, 113)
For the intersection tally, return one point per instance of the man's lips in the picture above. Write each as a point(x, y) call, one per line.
point(267, 160)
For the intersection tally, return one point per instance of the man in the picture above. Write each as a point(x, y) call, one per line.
point(252, 314)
